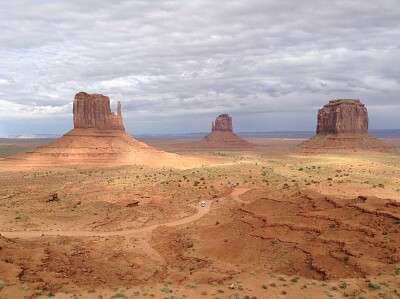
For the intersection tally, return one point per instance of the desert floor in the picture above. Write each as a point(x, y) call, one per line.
point(295, 225)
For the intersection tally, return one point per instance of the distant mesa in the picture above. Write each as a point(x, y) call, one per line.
point(98, 137)
point(222, 136)
point(343, 124)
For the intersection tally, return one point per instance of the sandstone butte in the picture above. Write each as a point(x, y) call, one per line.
point(98, 137)
point(93, 111)
point(222, 135)
point(343, 124)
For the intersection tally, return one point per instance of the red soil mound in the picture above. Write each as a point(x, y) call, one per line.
point(345, 142)
point(224, 139)
point(88, 146)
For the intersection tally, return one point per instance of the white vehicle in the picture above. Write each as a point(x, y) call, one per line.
point(203, 203)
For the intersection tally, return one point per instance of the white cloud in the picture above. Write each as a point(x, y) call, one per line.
point(179, 58)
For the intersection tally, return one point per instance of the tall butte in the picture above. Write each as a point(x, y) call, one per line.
point(93, 111)
point(98, 137)
point(222, 135)
point(343, 124)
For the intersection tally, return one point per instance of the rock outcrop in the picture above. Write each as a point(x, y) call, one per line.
point(222, 123)
point(222, 136)
point(98, 137)
point(343, 116)
point(93, 111)
point(343, 124)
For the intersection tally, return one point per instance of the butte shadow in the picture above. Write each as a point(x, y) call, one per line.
point(99, 138)
point(343, 125)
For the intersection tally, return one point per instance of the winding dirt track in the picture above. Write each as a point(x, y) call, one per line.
point(79, 233)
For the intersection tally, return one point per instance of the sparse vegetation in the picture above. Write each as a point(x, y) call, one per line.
point(191, 285)
point(374, 285)
point(259, 221)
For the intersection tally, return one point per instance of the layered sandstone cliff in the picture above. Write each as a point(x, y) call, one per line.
point(92, 111)
point(343, 124)
point(343, 116)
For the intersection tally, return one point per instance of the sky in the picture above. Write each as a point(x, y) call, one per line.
point(176, 65)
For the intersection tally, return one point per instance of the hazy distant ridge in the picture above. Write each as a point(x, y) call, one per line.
point(393, 133)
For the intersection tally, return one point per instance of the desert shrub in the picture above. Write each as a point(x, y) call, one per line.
point(374, 285)
point(398, 270)
point(167, 281)
point(165, 289)
point(282, 278)
point(191, 285)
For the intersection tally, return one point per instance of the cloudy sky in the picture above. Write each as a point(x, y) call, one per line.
point(176, 65)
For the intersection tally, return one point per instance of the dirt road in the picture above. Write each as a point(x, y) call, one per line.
point(79, 233)
point(32, 234)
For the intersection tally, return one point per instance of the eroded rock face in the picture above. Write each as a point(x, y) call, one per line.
point(343, 125)
point(93, 111)
point(223, 123)
point(343, 116)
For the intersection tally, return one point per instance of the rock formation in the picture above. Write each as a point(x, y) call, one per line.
point(98, 137)
point(343, 124)
point(222, 123)
point(93, 111)
point(343, 116)
point(222, 135)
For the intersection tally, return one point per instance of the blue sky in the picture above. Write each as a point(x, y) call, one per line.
point(176, 65)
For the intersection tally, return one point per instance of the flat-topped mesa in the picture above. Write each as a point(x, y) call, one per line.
point(223, 123)
point(343, 116)
point(343, 125)
point(93, 111)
